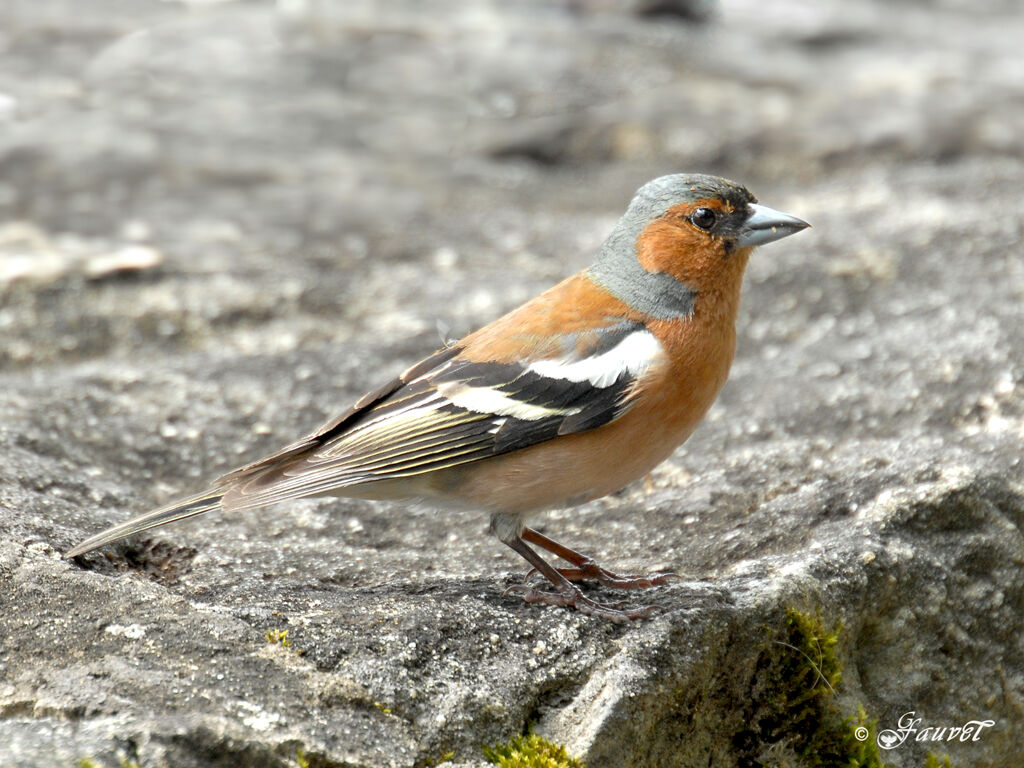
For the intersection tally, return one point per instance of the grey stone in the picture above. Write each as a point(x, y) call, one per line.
point(221, 223)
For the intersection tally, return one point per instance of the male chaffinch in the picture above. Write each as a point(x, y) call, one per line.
point(570, 397)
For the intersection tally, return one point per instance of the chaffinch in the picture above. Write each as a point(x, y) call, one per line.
point(570, 397)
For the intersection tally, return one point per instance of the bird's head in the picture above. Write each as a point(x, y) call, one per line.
point(684, 236)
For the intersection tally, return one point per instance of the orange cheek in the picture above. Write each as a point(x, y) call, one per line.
point(675, 249)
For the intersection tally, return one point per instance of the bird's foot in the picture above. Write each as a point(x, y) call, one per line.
point(588, 570)
point(570, 596)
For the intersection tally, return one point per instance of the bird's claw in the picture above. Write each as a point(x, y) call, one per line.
point(593, 572)
point(618, 613)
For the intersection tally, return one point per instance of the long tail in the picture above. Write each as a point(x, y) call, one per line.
point(179, 510)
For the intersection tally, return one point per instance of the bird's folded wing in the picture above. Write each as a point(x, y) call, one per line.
point(451, 410)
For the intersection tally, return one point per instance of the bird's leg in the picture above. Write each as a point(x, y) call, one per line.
point(585, 568)
point(568, 594)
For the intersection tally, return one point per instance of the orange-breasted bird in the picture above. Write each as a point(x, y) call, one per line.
point(570, 397)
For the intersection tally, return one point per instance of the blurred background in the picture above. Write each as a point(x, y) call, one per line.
point(222, 221)
point(175, 175)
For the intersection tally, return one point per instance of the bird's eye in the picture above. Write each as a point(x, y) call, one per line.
point(703, 218)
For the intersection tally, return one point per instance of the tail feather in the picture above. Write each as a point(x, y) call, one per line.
point(179, 510)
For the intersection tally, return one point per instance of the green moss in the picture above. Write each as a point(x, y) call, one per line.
point(282, 638)
point(934, 761)
point(531, 751)
point(794, 718)
point(279, 636)
point(443, 758)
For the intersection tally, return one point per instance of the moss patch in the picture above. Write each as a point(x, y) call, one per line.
point(794, 720)
point(438, 759)
point(87, 762)
point(531, 751)
point(279, 636)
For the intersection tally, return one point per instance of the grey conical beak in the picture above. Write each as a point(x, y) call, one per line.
point(765, 225)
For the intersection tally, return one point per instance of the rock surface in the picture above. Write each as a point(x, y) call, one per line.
point(220, 223)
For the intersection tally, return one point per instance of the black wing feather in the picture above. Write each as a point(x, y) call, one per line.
point(411, 427)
